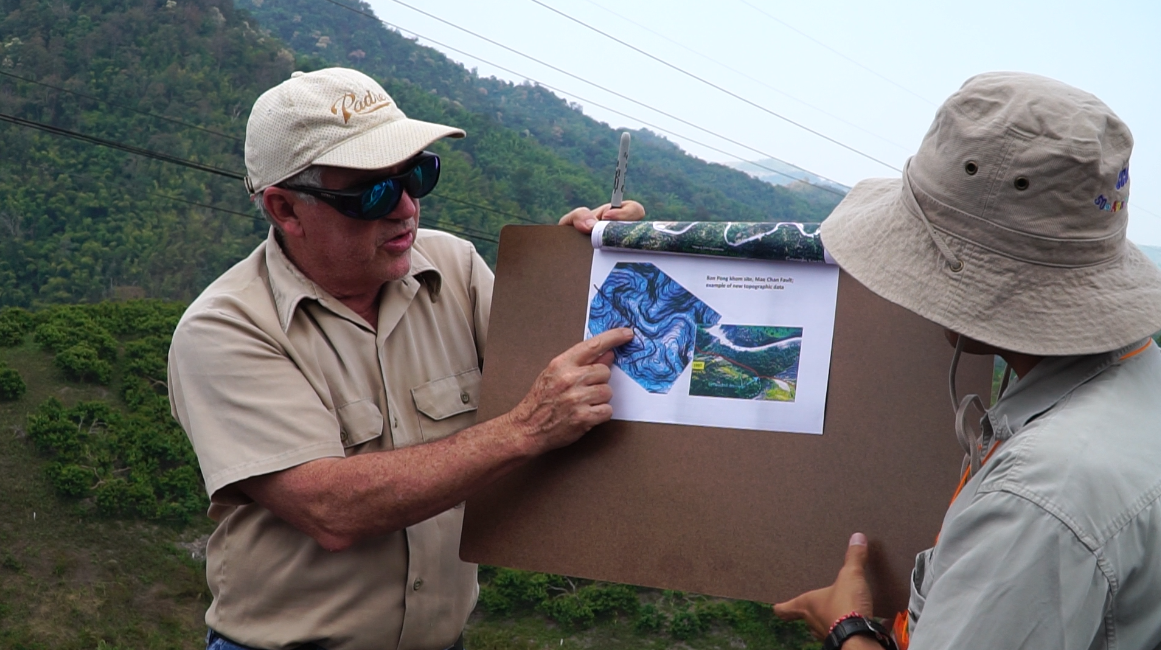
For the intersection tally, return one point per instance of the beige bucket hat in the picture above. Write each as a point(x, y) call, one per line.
point(336, 117)
point(1008, 225)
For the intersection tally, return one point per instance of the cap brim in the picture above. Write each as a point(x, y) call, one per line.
point(387, 145)
point(1012, 304)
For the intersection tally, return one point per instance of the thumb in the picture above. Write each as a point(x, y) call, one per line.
point(856, 558)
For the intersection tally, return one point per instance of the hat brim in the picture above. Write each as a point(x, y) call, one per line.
point(1009, 303)
point(387, 145)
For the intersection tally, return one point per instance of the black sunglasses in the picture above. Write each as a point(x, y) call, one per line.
point(378, 198)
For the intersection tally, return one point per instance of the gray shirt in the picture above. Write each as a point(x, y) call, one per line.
point(1056, 541)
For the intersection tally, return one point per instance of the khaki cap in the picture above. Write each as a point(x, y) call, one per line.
point(1008, 225)
point(336, 117)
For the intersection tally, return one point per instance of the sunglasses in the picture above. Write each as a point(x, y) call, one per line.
point(378, 198)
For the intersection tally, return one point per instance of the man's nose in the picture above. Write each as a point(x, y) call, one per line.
point(407, 208)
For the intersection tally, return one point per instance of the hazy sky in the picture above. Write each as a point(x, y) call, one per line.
point(866, 74)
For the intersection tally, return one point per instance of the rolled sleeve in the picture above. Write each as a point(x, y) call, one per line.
point(1009, 574)
point(246, 407)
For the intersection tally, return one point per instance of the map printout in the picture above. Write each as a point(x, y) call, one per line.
point(734, 322)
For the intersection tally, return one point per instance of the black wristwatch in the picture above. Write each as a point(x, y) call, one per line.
point(857, 626)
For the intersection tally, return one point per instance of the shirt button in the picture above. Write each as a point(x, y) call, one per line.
point(343, 436)
point(464, 397)
point(417, 584)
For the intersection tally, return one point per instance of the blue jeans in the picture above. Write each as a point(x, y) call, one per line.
point(215, 641)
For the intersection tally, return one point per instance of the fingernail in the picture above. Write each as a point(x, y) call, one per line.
point(590, 222)
point(858, 539)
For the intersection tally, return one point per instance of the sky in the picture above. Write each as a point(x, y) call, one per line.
point(865, 77)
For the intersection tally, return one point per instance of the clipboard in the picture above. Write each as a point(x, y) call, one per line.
point(753, 515)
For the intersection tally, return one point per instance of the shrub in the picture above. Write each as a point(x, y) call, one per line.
point(650, 620)
point(12, 385)
point(571, 610)
point(70, 480)
point(82, 363)
point(15, 323)
point(686, 625)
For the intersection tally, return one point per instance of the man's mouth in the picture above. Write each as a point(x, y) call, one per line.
point(399, 243)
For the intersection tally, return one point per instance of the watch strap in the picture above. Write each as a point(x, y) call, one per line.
point(850, 626)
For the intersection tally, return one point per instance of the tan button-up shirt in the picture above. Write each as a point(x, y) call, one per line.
point(268, 371)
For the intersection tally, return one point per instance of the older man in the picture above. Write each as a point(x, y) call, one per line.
point(1008, 228)
point(329, 385)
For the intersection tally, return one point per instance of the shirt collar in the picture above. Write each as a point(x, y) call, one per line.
point(290, 287)
point(1053, 379)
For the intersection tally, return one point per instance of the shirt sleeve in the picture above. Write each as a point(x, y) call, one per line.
point(244, 404)
point(1009, 574)
point(482, 279)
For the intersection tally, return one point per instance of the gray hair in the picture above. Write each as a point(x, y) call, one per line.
point(309, 177)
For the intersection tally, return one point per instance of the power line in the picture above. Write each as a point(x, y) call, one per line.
point(831, 49)
point(607, 108)
point(715, 86)
point(47, 128)
point(747, 76)
point(128, 108)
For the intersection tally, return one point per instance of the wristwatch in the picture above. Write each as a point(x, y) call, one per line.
point(855, 625)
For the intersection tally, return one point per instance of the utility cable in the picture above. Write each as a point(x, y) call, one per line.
point(661, 129)
point(47, 128)
point(126, 107)
point(747, 76)
point(831, 49)
point(715, 86)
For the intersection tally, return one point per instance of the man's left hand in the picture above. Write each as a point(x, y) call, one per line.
point(849, 593)
point(583, 219)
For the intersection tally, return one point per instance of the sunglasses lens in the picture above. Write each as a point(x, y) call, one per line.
point(380, 199)
point(423, 177)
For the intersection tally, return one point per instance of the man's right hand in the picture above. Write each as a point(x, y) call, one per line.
point(571, 395)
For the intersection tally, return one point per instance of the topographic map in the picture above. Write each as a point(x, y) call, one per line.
point(662, 313)
point(746, 362)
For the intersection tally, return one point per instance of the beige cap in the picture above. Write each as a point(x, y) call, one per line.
point(336, 117)
point(1008, 225)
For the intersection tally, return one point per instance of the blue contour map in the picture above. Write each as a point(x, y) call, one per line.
point(662, 313)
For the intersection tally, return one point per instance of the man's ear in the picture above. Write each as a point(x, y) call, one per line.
point(280, 204)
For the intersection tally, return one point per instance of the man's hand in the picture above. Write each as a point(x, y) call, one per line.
point(571, 395)
point(583, 219)
point(849, 593)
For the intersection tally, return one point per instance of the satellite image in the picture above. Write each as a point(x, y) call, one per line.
point(746, 362)
point(784, 241)
point(665, 316)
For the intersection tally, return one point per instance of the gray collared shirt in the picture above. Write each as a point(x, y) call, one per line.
point(1056, 541)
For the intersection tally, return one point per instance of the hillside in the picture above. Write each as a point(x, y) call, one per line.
point(81, 222)
point(102, 536)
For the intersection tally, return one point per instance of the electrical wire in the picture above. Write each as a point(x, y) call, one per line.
point(47, 128)
point(747, 76)
point(128, 108)
point(838, 193)
point(714, 86)
point(831, 49)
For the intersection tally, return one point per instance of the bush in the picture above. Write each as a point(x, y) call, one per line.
point(82, 363)
point(12, 385)
point(70, 480)
point(686, 625)
point(15, 323)
point(650, 620)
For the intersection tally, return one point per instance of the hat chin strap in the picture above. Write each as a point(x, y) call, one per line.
point(970, 439)
point(953, 262)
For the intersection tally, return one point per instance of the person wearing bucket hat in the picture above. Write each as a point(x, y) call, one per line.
point(329, 385)
point(1008, 229)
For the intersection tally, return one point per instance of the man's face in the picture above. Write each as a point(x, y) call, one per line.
point(350, 255)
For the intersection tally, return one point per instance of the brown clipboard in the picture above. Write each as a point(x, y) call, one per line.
point(753, 515)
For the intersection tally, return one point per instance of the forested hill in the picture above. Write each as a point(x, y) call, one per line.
point(81, 222)
point(672, 184)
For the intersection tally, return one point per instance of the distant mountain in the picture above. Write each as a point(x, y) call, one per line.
point(784, 174)
point(1154, 252)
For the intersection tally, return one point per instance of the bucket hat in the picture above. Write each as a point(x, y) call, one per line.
point(1008, 225)
point(336, 116)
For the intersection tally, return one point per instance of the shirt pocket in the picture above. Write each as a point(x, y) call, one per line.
point(447, 405)
point(359, 422)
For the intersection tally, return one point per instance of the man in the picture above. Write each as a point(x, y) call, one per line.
point(1008, 228)
point(329, 384)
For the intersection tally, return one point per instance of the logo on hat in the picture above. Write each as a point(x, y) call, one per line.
point(1106, 205)
point(352, 104)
